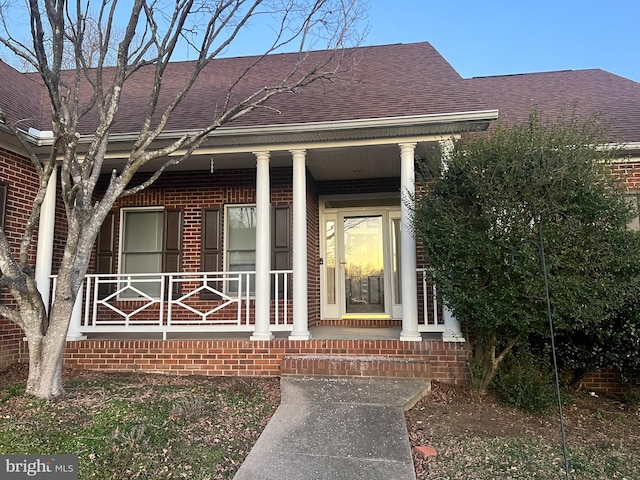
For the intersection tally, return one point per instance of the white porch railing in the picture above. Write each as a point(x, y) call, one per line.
point(432, 318)
point(174, 302)
point(208, 302)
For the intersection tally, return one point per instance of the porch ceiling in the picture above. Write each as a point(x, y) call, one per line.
point(335, 150)
point(334, 163)
point(354, 149)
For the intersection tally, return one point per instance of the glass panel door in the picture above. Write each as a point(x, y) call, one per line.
point(363, 264)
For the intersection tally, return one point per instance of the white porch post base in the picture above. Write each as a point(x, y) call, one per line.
point(73, 333)
point(306, 336)
point(411, 337)
point(257, 337)
point(452, 332)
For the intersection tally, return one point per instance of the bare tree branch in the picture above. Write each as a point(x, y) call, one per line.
point(92, 91)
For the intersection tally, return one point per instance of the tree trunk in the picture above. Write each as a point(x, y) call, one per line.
point(484, 364)
point(45, 371)
point(484, 361)
point(45, 350)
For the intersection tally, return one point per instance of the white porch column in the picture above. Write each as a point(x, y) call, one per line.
point(263, 249)
point(452, 332)
point(44, 254)
point(446, 148)
point(408, 247)
point(300, 264)
point(74, 332)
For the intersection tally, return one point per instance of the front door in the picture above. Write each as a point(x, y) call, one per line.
point(362, 264)
point(359, 268)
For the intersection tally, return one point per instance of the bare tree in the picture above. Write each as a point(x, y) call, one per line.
point(150, 36)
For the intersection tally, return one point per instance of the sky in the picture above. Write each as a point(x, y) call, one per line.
point(496, 37)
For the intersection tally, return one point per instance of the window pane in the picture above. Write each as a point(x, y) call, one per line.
point(241, 245)
point(142, 249)
point(244, 261)
point(142, 263)
point(143, 231)
point(330, 261)
point(397, 272)
point(241, 225)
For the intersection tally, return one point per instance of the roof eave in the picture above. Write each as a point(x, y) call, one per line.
point(311, 127)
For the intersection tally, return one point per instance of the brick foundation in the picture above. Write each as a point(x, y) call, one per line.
point(606, 381)
point(360, 322)
point(444, 362)
point(354, 366)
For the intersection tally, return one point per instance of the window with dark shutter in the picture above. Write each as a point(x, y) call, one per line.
point(151, 243)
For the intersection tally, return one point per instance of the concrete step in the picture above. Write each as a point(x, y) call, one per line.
point(354, 366)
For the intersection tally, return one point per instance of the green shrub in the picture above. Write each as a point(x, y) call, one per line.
point(526, 382)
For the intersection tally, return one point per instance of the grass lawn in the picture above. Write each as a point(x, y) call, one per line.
point(139, 426)
point(143, 426)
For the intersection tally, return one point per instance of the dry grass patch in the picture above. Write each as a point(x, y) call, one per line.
point(140, 426)
point(478, 439)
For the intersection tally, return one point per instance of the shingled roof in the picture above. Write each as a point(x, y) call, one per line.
point(376, 82)
point(585, 92)
point(22, 97)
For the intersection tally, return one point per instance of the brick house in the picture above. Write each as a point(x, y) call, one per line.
point(289, 227)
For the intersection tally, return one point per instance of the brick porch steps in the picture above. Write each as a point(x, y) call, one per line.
point(354, 366)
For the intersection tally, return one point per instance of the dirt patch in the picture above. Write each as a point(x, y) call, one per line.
point(449, 416)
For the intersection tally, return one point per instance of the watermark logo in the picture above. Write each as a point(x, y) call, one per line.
point(49, 467)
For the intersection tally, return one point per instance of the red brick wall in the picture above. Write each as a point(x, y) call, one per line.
point(630, 172)
point(313, 252)
point(606, 381)
point(18, 173)
point(243, 357)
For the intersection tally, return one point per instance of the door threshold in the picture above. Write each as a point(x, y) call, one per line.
point(368, 316)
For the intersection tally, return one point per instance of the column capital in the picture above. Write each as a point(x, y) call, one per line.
point(262, 155)
point(298, 151)
point(407, 147)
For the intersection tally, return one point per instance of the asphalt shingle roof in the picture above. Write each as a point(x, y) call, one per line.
point(376, 82)
point(21, 97)
point(585, 92)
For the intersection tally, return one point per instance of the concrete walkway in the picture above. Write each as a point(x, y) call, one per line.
point(337, 428)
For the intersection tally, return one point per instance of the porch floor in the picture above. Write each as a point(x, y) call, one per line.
point(322, 332)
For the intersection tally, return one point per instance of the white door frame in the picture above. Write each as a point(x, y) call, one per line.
point(337, 310)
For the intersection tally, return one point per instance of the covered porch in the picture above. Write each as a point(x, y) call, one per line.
point(350, 257)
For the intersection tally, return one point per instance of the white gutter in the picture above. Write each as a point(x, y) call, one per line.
point(406, 121)
point(45, 137)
